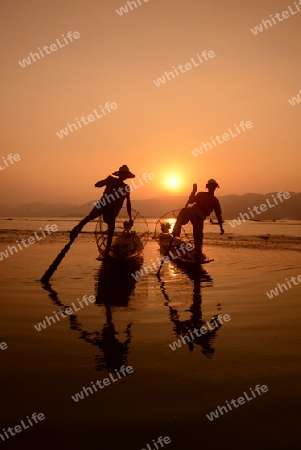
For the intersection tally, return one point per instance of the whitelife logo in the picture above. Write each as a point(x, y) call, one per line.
point(11, 158)
point(274, 292)
point(124, 9)
point(161, 440)
point(129, 188)
point(280, 17)
point(184, 68)
point(123, 372)
point(68, 310)
point(203, 330)
point(263, 208)
point(90, 118)
point(35, 417)
point(241, 401)
point(146, 268)
point(293, 101)
point(31, 240)
point(223, 138)
point(53, 48)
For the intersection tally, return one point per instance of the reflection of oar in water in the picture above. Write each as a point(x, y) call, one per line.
point(52, 268)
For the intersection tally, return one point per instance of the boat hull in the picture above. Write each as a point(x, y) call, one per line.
point(119, 260)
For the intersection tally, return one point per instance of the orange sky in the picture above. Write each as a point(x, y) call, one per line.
point(154, 129)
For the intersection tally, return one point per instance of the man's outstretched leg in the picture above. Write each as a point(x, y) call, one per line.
point(96, 212)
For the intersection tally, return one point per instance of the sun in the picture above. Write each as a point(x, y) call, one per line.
point(173, 183)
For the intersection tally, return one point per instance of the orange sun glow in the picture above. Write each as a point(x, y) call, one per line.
point(173, 183)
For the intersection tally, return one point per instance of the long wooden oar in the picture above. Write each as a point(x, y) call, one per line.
point(52, 268)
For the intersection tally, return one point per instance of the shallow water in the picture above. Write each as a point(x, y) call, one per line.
point(248, 228)
point(132, 323)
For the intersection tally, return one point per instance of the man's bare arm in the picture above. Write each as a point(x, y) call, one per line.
point(218, 213)
point(103, 183)
point(193, 192)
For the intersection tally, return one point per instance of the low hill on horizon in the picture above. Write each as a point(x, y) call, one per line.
point(232, 206)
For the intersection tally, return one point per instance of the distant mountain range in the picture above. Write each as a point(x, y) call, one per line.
point(232, 206)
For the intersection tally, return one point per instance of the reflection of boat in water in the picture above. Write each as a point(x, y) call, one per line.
point(127, 244)
point(179, 249)
point(115, 287)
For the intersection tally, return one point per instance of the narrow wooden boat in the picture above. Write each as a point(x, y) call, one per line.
point(128, 242)
point(179, 249)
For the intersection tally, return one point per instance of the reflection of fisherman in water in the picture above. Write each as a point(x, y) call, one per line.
point(114, 289)
point(110, 294)
point(185, 327)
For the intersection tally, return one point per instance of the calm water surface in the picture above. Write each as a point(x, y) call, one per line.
point(132, 323)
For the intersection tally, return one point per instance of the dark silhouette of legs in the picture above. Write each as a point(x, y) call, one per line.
point(111, 228)
point(96, 212)
point(198, 226)
point(182, 219)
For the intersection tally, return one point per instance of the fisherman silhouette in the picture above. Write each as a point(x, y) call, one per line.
point(204, 204)
point(110, 204)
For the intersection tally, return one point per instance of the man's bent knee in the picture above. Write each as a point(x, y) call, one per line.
point(184, 216)
point(94, 214)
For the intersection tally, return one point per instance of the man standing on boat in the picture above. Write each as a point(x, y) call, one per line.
point(110, 204)
point(204, 204)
